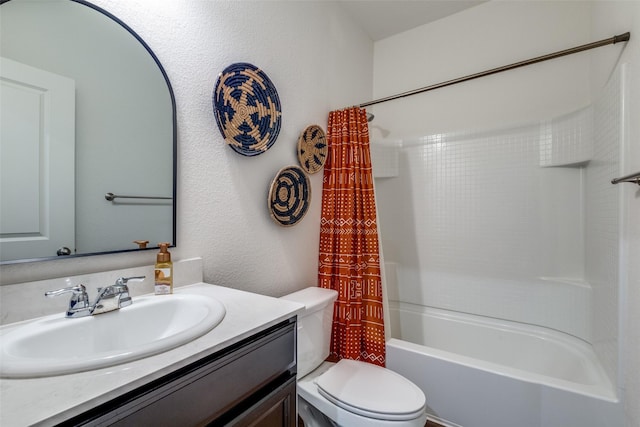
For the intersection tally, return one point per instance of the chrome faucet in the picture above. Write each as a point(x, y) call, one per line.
point(79, 303)
point(109, 298)
point(115, 296)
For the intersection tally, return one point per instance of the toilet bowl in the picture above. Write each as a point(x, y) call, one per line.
point(348, 393)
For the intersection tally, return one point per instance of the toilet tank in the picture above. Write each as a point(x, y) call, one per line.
point(314, 326)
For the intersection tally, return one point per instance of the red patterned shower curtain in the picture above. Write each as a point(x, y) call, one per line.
point(349, 256)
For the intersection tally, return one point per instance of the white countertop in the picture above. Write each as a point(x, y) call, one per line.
point(50, 400)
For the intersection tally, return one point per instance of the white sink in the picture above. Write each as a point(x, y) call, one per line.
point(55, 345)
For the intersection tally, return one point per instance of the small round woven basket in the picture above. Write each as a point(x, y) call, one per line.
point(289, 196)
point(312, 149)
point(247, 109)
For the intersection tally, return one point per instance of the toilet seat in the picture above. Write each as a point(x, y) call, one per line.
point(371, 391)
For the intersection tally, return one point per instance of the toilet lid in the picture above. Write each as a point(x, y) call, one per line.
point(371, 391)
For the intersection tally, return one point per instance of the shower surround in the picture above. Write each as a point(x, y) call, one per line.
point(520, 224)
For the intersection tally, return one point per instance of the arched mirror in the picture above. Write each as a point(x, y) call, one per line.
point(87, 110)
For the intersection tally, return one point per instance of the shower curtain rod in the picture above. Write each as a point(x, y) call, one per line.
point(612, 40)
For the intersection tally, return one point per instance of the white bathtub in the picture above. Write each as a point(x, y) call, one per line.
point(482, 372)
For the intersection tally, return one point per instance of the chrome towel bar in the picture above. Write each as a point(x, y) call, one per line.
point(634, 178)
point(110, 197)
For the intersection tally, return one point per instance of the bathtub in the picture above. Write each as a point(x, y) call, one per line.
point(481, 372)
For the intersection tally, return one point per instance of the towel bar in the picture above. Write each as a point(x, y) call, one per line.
point(110, 197)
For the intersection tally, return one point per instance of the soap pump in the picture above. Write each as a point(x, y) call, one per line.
point(164, 271)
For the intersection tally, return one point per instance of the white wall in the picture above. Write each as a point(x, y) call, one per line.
point(610, 18)
point(483, 37)
point(317, 60)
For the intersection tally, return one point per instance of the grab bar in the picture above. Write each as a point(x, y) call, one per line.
point(110, 197)
point(634, 178)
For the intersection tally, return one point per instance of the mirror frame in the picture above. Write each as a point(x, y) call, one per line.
point(174, 142)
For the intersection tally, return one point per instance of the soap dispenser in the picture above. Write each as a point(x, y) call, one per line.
point(164, 271)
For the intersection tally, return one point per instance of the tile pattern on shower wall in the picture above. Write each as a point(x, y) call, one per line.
point(567, 140)
point(384, 158)
point(489, 209)
point(602, 222)
point(482, 228)
point(519, 223)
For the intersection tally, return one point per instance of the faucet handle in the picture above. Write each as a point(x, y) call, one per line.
point(77, 290)
point(123, 289)
point(79, 302)
point(122, 281)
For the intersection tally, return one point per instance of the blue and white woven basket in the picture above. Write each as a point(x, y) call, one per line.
point(289, 196)
point(247, 109)
point(312, 149)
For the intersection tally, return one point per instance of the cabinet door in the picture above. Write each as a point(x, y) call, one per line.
point(212, 391)
point(278, 409)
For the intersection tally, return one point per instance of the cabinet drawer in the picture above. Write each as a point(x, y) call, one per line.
point(205, 390)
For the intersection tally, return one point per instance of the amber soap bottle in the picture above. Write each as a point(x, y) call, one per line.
point(164, 271)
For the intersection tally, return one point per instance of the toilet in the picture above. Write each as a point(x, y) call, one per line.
point(349, 393)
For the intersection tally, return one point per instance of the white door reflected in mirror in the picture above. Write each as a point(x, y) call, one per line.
point(124, 133)
point(37, 173)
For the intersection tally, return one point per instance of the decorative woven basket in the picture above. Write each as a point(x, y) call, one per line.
point(289, 196)
point(312, 149)
point(247, 109)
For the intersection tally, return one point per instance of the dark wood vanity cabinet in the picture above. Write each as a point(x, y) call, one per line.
point(276, 409)
point(251, 383)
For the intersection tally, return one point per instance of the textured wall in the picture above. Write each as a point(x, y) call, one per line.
point(317, 60)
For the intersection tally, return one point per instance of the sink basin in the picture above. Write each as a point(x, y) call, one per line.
point(55, 345)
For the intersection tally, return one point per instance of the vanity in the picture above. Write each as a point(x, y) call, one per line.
point(252, 383)
point(242, 372)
